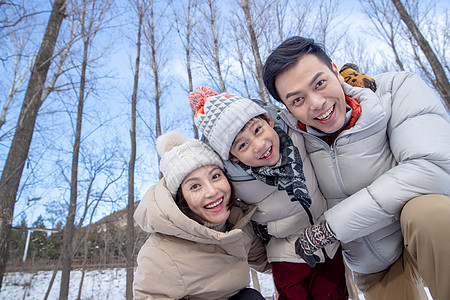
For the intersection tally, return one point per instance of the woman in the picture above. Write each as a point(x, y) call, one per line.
point(202, 243)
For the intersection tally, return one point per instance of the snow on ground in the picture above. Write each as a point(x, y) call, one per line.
point(98, 284)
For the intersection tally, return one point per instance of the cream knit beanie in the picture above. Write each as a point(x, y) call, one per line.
point(180, 157)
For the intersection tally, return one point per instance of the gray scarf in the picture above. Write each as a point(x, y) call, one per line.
point(287, 173)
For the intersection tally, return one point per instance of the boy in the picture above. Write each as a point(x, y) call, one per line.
point(382, 163)
point(267, 169)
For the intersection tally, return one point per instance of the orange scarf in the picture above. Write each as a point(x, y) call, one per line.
point(356, 112)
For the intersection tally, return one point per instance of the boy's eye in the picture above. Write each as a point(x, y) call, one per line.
point(257, 129)
point(242, 146)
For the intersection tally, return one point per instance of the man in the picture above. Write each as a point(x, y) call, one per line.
point(382, 161)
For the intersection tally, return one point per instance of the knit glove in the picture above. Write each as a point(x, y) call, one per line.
point(313, 238)
point(352, 76)
point(262, 232)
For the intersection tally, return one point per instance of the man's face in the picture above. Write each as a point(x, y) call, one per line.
point(313, 94)
point(257, 144)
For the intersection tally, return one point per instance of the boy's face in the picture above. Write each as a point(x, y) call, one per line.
point(257, 144)
point(313, 94)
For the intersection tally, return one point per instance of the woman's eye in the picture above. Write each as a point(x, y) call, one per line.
point(194, 186)
point(215, 176)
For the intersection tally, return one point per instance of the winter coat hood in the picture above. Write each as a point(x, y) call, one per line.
point(161, 214)
point(183, 259)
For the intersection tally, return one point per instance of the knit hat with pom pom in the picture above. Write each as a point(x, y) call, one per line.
point(221, 117)
point(180, 157)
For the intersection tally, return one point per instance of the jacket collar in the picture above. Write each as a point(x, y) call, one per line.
point(371, 110)
point(158, 213)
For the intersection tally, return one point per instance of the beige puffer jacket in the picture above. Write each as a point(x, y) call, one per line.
point(183, 259)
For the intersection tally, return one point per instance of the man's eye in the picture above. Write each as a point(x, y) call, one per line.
point(297, 100)
point(320, 83)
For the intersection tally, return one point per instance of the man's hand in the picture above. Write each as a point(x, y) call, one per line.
point(313, 238)
point(310, 259)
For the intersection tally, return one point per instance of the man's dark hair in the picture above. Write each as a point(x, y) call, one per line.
point(180, 201)
point(286, 55)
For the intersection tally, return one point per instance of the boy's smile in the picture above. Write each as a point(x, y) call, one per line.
point(313, 94)
point(257, 144)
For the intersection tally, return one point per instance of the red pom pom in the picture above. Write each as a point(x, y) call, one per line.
point(197, 98)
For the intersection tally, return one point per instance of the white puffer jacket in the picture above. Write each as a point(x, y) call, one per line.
point(284, 218)
point(398, 149)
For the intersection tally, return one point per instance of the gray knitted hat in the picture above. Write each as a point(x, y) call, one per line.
point(221, 117)
point(180, 157)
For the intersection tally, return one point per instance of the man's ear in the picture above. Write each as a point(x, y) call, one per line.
point(338, 75)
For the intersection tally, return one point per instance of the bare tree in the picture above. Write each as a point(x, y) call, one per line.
point(155, 57)
point(240, 58)
point(213, 22)
point(262, 91)
point(207, 44)
point(441, 83)
point(141, 10)
point(281, 7)
point(19, 74)
point(98, 167)
point(20, 145)
point(90, 18)
point(184, 31)
point(386, 24)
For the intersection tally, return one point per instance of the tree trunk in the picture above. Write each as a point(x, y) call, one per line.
point(442, 85)
point(12, 171)
point(216, 46)
point(131, 165)
point(263, 93)
point(69, 228)
point(154, 66)
point(55, 271)
point(188, 61)
point(83, 268)
point(240, 57)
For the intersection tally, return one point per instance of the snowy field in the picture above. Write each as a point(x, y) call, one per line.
point(98, 285)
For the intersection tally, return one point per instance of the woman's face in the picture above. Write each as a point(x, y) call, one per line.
point(207, 193)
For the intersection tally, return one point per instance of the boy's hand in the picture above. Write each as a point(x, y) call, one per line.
point(313, 238)
point(352, 76)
